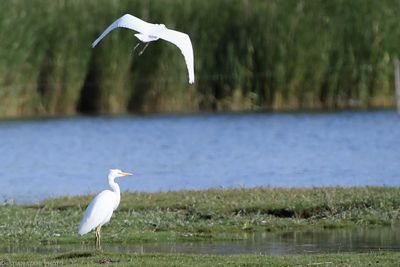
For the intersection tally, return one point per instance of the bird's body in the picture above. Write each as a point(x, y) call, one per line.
point(101, 208)
point(146, 38)
point(149, 32)
point(99, 211)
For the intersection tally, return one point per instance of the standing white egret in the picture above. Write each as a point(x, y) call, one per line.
point(101, 208)
point(149, 32)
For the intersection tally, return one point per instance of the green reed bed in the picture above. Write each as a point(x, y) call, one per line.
point(248, 55)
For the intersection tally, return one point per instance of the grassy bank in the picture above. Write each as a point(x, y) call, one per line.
point(89, 258)
point(248, 55)
point(197, 215)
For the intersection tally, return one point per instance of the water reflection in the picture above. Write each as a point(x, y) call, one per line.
point(322, 241)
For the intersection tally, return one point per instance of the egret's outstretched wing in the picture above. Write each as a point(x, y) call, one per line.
point(182, 41)
point(98, 212)
point(126, 21)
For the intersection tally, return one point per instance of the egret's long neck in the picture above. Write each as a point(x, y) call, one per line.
point(115, 188)
point(114, 185)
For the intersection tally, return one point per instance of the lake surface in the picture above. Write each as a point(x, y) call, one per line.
point(286, 243)
point(53, 157)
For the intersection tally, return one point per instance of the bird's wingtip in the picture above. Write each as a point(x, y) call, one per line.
point(81, 232)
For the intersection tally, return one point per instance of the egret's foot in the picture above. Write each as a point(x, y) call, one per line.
point(141, 52)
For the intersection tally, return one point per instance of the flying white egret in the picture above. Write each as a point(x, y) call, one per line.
point(149, 32)
point(101, 208)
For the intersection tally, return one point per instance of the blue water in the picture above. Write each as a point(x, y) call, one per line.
point(70, 156)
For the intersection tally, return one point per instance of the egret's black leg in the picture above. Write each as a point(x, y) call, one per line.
point(141, 52)
point(136, 46)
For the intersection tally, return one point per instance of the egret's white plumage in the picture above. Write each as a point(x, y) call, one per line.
point(149, 32)
point(98, 212)
point(101, 208)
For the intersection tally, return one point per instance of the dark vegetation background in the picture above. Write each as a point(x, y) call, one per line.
point(249, 55)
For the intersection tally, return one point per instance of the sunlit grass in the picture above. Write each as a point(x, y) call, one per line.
point(197, 215)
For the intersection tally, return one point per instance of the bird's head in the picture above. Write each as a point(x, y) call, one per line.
point(114, 173)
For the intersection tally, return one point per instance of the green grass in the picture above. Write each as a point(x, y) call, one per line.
point(91, 258)
point(248, 56)
point(197, 215)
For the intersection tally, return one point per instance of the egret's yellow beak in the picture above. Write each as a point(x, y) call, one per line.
point(126, 173)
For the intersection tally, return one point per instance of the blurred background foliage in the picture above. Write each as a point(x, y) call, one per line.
point(249, 55)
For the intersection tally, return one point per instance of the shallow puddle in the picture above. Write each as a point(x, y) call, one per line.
point(283, 243)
